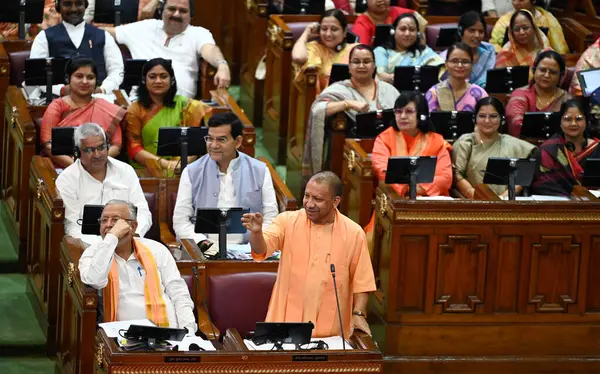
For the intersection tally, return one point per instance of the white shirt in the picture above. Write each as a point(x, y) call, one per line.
point(184, 229)
point(500, 6)
point(147, 39)
point(112, 56)
point(77, 188)
point(94, 267)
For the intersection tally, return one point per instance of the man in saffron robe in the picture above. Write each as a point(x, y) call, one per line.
point(310, 240)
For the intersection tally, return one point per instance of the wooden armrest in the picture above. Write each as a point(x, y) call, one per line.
point(121, 100)
point(362, 340)
point(484, 192)
point(73, 249)
point(192, 248)
point(209, 330)
point(578, 36)
point(285, 199)
point(233, 342)
point(581, 193)
point(167, 237)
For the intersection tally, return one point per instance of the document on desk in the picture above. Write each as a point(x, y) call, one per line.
point(333, 343)
point(184, 345)
point(112, 328)
point(539, 198)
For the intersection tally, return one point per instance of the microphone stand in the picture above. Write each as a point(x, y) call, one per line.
point(22, 3)
point(117, 6)
point(337, 300)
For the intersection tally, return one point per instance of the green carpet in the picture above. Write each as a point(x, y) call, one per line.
point(26, 365)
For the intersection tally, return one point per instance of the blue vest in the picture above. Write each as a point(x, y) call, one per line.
point(248, 175)
point(60, 45)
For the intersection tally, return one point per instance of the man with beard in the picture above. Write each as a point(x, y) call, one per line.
point(311, 240)
point(73, 37)
point(96, 178)
point(173, 38)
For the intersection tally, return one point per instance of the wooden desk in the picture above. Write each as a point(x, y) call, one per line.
point(236, 358)
point(486, 286)
point(6, 48)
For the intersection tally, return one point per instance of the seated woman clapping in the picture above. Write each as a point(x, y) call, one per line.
point(413, 135)
point(543, 93)
point(561, 159)
point(404, 48)
point(363, 92)
point(456, 93)
point(470, 153)
point(526, 40)
point(79, 107)
point(329, 48)
point(159, 106)
point(472, 29)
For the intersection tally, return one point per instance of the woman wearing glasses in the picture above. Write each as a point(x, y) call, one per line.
point(470, 153)
point(525, 41)
point(159, 106)
point(543, 93)
point(562, 158)
point(456, 93)
point(362, 93)
point(79, 107)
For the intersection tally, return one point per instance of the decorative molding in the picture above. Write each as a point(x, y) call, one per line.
point(383, 203)
point(351, 160)
point(71, 274)
point(215, 368)
point(417, 215)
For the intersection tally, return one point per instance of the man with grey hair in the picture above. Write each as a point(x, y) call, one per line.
point(96, 178)
point(138, 277)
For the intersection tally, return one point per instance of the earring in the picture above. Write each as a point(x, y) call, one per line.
point(338, 47)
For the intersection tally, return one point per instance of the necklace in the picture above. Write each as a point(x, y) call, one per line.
point(542, 104)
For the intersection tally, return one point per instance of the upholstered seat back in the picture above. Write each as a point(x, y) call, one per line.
point(240, 300)
point(154, 232)
point(432, 32)
point(568, 78)
point(17, 67)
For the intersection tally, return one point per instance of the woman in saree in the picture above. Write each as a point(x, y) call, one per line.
point(456, 93)
point(79, 107)
point(540, 17)
point(159, 106)
point(329, 48)
point(561, 159)
point(470, 153)
point(590, 59)
point(404, 48)
point(543, 93)
point(363, 92)
point(472, 29)
point(526, 40)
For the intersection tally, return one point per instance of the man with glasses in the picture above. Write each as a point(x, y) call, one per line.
point(223, 178)
point(138, 277)
point(96, 178)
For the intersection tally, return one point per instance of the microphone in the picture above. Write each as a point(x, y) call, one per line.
point(337, 300)
point(212, 327)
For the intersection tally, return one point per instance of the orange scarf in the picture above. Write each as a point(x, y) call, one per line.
point(156, 309)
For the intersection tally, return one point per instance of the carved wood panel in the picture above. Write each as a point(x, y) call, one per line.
point(508, 268)
point(461, 269)
point(554, 274)
point(411, 280)
point(593, 281)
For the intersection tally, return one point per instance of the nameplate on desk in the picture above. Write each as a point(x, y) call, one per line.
point(310, 358)
point(182, 359)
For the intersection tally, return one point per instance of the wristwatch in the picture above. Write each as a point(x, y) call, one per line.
point(219, 62)
point(359, 313)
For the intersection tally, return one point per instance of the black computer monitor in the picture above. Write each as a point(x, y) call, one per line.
point(279, 333)
point(382, 35)
point(169, 140)
point(371, 124)
point(132, 73)
point(452, 124)
point(416, 78)
point(446, 37)
point(540, 125)
point(351, 37)
point(506, 80)
point(591, 173)
point(116, 12)
point(411, 171)
point(339, 72)
point(304, 7)
point(509, 172)
point(153, 333)
point(90, 223)
point(62, 141)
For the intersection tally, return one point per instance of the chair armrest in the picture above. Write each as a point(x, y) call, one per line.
point(581, 193)
point(167, 237)
point(233, 342)
point(578, 36)
point(121, 100)
point(285, 199)
point(205, 326)
point(206, 83)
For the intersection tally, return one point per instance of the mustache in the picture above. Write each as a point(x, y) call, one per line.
point(176, 19)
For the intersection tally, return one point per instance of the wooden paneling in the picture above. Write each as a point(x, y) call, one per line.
point(359, 180)
point(506, 259)
point(593, 279)
point(412, 257)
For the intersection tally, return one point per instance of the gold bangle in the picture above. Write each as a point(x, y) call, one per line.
point(346, 105)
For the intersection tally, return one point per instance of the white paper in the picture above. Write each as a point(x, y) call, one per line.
point(184, 345)
point(112, 328)
point(538, 198)
point(595, 193)
point(435, 198)
point(333, 342)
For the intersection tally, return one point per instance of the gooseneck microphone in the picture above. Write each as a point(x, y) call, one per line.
point(337, 300)
point(212, 327)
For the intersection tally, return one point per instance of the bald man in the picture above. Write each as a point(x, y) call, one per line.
point(311, 240)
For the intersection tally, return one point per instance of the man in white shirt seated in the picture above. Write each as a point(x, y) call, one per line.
point(173, 38)
point(73, 37)
point(138, 277)
point(223, 178)
point(96, 178)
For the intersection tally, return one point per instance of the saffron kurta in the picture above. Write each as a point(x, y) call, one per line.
point(304, 288)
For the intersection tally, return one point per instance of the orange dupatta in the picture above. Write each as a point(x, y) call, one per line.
point(156, 309)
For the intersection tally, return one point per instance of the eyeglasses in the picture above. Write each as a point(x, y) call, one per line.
point(404, 29)
point(363, 62)
point(548, 71)
point(408, 111)
point(113, 220)
point(91, 150)
point(521, 28)
point(491, 116)
point(577, 118)
point(459, 62)
point(221, 139)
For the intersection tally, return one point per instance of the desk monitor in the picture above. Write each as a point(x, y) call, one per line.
point(371, 124)
point(591, 173)
point(169, 140)
point(90, 223)
point(506, 80)
point(156, 334)
point(452, 124)
point(132, 74)
point(411, 171)
point(279, 333)
point(304, 7)
point(351, 37)
point(382, 35)
point(589, 81)
point(339, 72)
point(416, 78)
point(116, 12)
point(33, 11)
point(36, 70)
point(509, 172)
point(446, 37)
point(208, 220)
point(62, 141)
point(540, 125)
